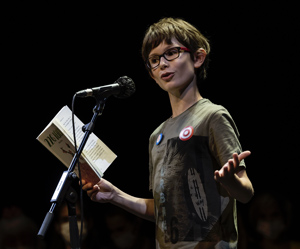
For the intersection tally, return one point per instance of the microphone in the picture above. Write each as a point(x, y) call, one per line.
point(123, 88)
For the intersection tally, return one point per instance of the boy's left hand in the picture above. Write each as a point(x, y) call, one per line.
point(228, 172)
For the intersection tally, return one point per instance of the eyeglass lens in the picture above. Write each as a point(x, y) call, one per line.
point(170, 54)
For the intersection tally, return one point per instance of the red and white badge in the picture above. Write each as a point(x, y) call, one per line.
point(186, 133)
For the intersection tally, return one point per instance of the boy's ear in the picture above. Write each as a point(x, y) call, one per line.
point(199, 57)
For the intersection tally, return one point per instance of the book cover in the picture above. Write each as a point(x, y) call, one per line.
point(57, 137)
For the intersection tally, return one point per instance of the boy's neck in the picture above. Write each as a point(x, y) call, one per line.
point(180, 103)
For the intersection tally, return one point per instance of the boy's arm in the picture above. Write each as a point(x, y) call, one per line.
point(234, 179)
point(104, 192)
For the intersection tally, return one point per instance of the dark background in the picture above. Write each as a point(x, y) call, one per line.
point(52, 51)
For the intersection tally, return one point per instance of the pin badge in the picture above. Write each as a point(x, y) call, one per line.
point(186, 133)
point(159, 138)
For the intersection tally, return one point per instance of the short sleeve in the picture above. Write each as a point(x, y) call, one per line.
point(224, 137)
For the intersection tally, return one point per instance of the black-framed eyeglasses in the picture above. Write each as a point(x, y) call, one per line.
point(171, 54)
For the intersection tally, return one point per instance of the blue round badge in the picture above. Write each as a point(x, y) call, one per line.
point(159, 138)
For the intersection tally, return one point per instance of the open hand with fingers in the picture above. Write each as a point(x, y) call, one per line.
point(234, 178)
point(228, 171)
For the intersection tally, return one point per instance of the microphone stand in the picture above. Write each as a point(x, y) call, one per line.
point(64, 191)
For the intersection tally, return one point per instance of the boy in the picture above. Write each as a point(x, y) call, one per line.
point(195, 159)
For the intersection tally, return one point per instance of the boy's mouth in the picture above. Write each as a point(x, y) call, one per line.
point(167, 75)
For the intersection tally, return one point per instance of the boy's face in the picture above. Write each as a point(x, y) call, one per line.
point(176, 75)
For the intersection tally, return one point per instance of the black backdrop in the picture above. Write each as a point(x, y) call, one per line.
point(51, 52)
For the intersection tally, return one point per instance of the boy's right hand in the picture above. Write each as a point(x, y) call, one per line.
point(101, 192)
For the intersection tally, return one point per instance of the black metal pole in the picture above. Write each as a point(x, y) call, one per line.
point(64, 185)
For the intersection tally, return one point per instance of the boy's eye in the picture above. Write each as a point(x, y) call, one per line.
point(171, 52)
point(154, 60)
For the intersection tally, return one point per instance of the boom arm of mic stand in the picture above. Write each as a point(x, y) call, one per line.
point(69, 176)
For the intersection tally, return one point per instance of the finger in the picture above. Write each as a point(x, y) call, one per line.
point(87, 186)
point(96, 187)
point(92, 192)
point(231, 164)
point(93, 196)
point(228, 168)
point(82, 181)
point(236, 159)
point(217, 175)
point(244, 154)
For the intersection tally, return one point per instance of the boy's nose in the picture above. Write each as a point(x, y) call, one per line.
point(163, 62)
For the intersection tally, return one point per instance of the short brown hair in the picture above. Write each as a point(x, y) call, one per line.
point(184, 32)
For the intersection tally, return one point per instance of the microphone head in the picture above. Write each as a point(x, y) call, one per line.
point(127, 87)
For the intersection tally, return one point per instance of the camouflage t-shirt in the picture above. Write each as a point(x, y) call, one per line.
point(191, 208)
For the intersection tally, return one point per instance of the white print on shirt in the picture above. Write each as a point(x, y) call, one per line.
point(197, 194)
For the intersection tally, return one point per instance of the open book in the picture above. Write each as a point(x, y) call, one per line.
point(57, 137)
